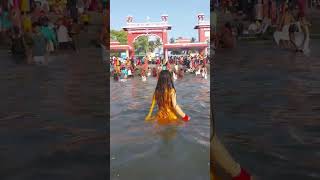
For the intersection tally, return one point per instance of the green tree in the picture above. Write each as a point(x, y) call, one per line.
point(193, 39)
point(158, 43)
point(151, 46)
point(141, 45)
point(116, 54)
point(120, 36)
point(154, 44)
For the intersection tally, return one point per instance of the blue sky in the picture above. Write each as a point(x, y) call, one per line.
point(182, 14)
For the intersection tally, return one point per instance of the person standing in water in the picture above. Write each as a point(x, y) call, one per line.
point(166, 98)
point(75, 33)
point(39, 47)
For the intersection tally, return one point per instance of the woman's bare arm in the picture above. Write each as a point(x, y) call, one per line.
point(151, 109)
point(221, 156)
point(175, 105)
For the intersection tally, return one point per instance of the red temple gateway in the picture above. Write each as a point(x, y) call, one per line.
point(160, 30)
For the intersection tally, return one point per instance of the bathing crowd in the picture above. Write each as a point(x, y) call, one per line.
point(147, 67)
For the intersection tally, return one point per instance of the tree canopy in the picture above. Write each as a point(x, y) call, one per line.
point(143, 45)
point(120, 36)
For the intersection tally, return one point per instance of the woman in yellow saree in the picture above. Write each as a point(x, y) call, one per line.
point(165, 97)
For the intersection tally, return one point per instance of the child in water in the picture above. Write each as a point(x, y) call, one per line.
point(166, 99)
point(143, 75)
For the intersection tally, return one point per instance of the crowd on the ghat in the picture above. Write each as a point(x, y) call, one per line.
point(34, 29)
point(147, 67)
point(286, 20)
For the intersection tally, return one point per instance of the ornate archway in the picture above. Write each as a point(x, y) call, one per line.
point(158, 29)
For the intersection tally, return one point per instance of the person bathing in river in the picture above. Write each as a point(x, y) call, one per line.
point(143, 75)
point(226, 38)
point(166, 98)
point(284, 26)
point(300, 37)
point(154, 72)
point(39, 47)
point(180, 73)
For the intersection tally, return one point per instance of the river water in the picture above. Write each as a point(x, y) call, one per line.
point(267, 109)
point(143, 151)
point(52, 119)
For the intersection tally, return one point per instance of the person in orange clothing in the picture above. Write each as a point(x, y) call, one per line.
point(166, 98)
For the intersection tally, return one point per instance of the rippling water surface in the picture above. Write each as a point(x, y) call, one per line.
point(143, 151)
point(52, 119)
point(267, 105)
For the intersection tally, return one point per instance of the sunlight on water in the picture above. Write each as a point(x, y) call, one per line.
point(151, 151)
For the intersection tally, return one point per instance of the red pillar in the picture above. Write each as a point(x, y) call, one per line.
point(130, 38)
point(202, 37)
point(164, 36)
point(165, 41)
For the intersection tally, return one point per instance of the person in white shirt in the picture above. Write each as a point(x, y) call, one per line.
point(63, 36)
point(253, 28)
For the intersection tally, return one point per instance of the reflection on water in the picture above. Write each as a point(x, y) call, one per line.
point(52, 119)
point(141, 150)
point(267, 109)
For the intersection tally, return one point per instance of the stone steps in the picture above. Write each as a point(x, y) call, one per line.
point(312, 15)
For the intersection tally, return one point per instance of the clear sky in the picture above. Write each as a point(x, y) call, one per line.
point(182, 14)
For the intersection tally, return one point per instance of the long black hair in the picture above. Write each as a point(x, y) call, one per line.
point(165, 84)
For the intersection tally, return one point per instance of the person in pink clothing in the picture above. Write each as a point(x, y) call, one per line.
point(273, 12)
point(146, 64)
point(16, 4)
point(302, 7)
